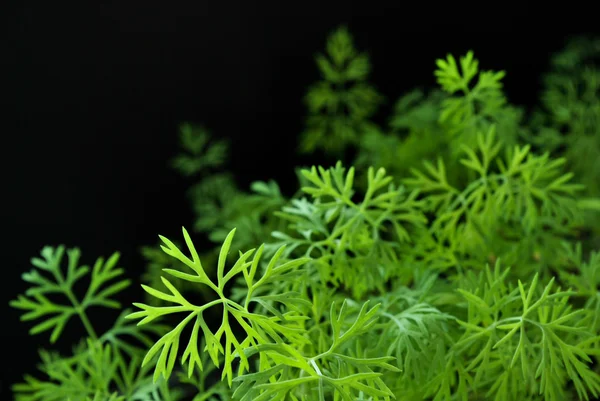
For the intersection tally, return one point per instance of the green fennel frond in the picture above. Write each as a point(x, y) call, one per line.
point(569, 123)
point(104, 282)
point(341, 104)
point(332, 374)
point(526, 338)
point(257, 328)
point(583, 277)
point(96, 370)
point(475, 104)
point(200, 152)
point(526, 199)
point(416, 334)
point(353, 243)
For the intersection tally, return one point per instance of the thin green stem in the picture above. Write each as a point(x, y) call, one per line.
point(82, 315)
point(80, 309)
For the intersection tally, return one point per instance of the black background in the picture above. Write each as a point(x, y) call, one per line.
point(93, 93)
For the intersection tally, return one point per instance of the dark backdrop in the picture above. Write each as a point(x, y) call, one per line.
point(93, 93)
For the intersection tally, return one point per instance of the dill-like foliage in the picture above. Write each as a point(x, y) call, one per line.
point(451, 259)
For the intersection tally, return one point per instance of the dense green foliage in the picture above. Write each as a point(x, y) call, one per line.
point(454, 257)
